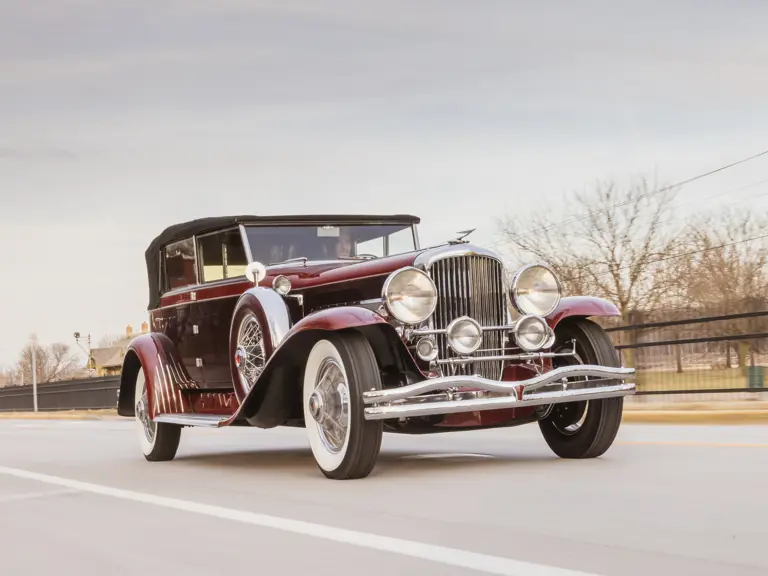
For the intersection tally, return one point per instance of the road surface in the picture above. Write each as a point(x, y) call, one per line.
point(78, 498)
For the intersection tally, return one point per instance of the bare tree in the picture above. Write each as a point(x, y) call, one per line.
point(53, 362)
point(728, 271)
point(612, 243)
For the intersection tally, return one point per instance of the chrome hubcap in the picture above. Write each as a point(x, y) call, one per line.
point(329, 405)
point(316, 406)
point(249, 354)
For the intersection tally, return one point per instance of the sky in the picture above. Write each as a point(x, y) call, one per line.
point(119, 118)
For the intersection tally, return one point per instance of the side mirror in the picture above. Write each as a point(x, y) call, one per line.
point(255, 272)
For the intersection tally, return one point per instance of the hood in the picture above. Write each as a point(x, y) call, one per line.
point(335, 274)
point(315, 274)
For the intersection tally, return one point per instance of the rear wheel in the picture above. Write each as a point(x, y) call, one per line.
point(345, 445)
point(159, 441)
point(583, 429)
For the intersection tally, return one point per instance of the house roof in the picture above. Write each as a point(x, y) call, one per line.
point(108, 357)
point(198, 226)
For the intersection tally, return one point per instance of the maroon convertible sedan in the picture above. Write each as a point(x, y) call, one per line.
point(344, 325)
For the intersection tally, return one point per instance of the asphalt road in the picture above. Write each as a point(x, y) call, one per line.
point(78, 498)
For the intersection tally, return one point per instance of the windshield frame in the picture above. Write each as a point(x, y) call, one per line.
point(397, 226)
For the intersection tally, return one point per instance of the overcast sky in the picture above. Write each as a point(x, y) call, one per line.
point(116, 121)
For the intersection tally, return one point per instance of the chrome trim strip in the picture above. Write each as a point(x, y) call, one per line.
point(429, 331)
point(524, 356)
point(446, 382)
point(496, 403)
point(189, 302)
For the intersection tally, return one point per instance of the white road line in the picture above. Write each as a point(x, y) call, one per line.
point(450, 556)
point(36, 495)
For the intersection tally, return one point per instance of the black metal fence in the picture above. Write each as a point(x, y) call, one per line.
point(685, 353)
point(85, 394)
point(675, 352)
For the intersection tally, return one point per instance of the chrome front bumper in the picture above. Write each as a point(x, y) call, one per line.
point(420, 399)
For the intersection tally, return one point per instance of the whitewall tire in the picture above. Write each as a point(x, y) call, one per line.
point(338, 370)
point(158, 441)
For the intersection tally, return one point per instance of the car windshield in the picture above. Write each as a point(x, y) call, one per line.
point(273, 244)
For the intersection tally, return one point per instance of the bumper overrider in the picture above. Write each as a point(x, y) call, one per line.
point(444, 395)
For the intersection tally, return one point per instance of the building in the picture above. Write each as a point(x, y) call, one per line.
point(109, 361)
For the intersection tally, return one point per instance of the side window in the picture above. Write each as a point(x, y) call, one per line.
point(222, 255)
point(180, 264)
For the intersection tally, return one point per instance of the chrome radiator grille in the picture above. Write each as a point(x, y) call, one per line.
point(471, 286)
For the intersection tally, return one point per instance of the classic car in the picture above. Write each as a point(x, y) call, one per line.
point(344, 325)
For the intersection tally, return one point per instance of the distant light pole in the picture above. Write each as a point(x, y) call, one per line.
point(89, 370)
point(34, 376)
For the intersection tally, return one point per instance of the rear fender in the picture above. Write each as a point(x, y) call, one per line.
point(164, 373)
point(276, 395)
point(581, 307)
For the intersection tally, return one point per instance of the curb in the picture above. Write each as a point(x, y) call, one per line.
point(714, 417)
point(743, 417)
point(63, 415)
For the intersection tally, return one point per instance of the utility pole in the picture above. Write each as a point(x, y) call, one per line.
point(34, 376)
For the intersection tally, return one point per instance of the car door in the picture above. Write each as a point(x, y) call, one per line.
point(180, 316)
point(222, 259)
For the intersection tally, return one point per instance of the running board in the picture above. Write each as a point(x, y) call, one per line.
point(197, 420)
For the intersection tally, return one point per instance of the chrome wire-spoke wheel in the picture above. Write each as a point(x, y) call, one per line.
point(158, 441)
point(249, 354)
point(142, 415)
point(329, 405)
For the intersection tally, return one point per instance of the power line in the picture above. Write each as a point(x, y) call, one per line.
point(693, 253)
point(646, 195)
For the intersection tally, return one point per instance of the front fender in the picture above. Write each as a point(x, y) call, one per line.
point(276, 395)
point(164, 372)
point(581, 306)
point(338, 318)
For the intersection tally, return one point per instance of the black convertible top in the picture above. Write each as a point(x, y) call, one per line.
point(198, 226)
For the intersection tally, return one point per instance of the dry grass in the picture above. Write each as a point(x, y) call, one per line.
point(653, 380)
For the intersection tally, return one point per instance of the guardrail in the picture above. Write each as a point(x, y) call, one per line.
point(86, 394)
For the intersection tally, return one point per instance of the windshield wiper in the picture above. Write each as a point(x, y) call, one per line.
point(358, 257)
point(302, 259)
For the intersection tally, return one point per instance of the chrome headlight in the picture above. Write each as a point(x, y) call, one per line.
point(532, 333)
point(464, 335)
point(409, 295)
point(535, 290)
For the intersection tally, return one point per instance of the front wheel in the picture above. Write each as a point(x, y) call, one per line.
point(584, 429)
point(159, 441)
point(345, 445)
